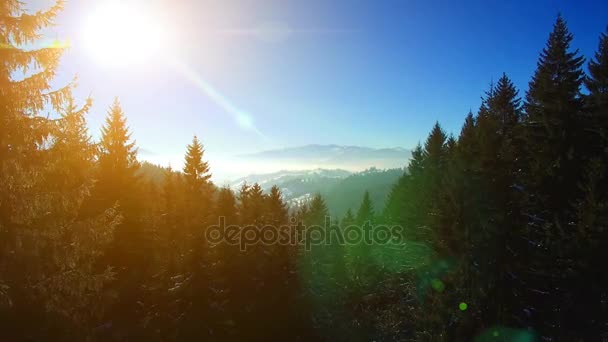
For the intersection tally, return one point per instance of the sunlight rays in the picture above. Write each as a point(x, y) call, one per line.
point(123, 34)
point(242, 118)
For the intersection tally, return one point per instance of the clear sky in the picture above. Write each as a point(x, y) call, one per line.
point(252, 75)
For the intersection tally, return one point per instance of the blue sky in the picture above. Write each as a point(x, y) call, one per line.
point(369, 73)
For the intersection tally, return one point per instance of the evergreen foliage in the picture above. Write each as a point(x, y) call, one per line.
point(501, 231)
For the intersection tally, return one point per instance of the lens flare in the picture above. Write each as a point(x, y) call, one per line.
point(241, 117)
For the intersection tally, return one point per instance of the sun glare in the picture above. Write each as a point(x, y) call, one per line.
point(121, 33)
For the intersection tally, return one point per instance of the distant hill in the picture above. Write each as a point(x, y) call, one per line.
point(348, 193)
point(152, 173)
point(295, 184)
point(341, 189)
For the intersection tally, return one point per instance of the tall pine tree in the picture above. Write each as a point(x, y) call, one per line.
point(553, 111)
point(550, 178)
point(48, 257)
point(597, 100)
point(117, 178)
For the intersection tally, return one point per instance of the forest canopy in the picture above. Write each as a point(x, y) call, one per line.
point(499, 231)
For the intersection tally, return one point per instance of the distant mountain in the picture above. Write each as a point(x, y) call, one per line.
point(294, 183)
point(341, 187)
point(352, 158)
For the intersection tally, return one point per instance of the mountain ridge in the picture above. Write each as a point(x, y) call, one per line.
point(330, 156)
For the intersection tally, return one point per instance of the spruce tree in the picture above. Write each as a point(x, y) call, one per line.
point(317, 211)
point(118, 165)
point(170, 234)
point(361, 253)
point(553, 169)
point(553, 121)
point(226, 206)
point(21, 127)
point(73, 147)
point(118, 184)
point(317, 268)
point(255, 212)
point(592, 206)
point(49, 271)
point(467, 141)
point(435, 151)
point(366, 210)
point(435, 163)
point(198, 189)
point(198, 205)
point(597, 101)
point(415, 167)
point(407, 201)
point(196, 170)
point(349, 218)
point(276, 208)
point(505, 105)
point(393, 212)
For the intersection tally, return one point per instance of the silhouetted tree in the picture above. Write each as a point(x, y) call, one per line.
point(553, 131)
point(596, 82)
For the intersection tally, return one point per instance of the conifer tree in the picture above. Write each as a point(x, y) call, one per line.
point(592, 206)
point(485, 202)
point(416, 166)
point(243, 203)
point(169, 192)
point(118, 184)
point(198, 205)
point(406, 203)
point(317, 268)
point(505, 105)
point(349, 218)
point(255, 210)
point(226, 206)
point(395, 204)
point(467, 141)
point(597, 102)
point(435, 150)
point(317, 211)
point(118, 165)
point(171, 207)
point(21, 129)
point(48, 257)
point(72, 147)
point(430, 193)
point(198, 189)
point(366, 210)
point(227, 213)
point(361, 253)
point(553, 121)
point(196, 170)
point(450, 146)
point(553, 170)
point(276, 208)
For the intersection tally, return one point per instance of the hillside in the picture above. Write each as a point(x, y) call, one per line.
point(341, 189)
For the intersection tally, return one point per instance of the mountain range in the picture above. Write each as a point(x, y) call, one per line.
point(341, 174)
point(310, 157)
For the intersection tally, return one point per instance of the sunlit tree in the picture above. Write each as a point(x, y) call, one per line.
point(48, 255)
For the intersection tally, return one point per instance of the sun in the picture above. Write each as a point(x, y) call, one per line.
point(119, 32)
